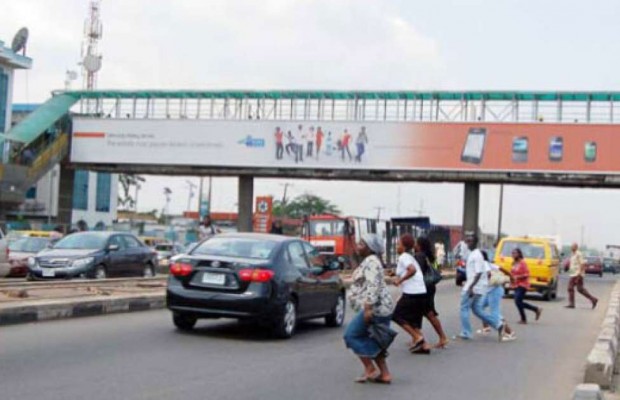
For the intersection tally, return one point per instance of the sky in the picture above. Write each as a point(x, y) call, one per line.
point(347, 45)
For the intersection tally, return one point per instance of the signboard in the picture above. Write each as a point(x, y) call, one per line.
point(560, 148)
point(263, 215)
point(204, 209)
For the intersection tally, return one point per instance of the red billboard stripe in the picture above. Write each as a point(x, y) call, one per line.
point(91, 135)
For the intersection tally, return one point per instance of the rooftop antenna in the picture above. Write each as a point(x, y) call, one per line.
point(19, 41)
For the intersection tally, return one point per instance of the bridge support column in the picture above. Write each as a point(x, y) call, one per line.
point(471, 207)
point(245, 203)
point(65, 196)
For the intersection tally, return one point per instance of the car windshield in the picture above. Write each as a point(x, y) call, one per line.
point(163, 247)
point(82, 241)
point(236, 247)
point(28, 245)
point(529, 250)
point(327, 228)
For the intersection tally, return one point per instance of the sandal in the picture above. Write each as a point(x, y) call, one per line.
point(381, 381)
point(417, 346)
point(365, 378)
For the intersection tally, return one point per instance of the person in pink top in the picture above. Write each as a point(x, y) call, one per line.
point(520, 277)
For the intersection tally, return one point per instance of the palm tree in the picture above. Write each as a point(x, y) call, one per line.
point(127, 181)
point(304, 205)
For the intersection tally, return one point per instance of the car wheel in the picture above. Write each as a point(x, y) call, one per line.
point(336, 317)
point(98, 272)
point(29, 277)
point(547, 295)
point(149, 271)
point(184, 322)
point(285, 326)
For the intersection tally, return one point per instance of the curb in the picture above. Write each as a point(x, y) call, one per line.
point(61, 309)
point(602, 361)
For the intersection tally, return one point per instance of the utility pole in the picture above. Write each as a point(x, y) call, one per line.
point(379, 209)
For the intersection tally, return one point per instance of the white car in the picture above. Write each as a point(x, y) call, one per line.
point(4, 256)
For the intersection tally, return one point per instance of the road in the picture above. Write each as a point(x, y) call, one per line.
point(141, 356)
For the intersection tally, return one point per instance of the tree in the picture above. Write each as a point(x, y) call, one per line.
point(305, 204)
point(127, 181)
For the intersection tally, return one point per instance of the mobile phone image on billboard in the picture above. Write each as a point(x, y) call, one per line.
point(473, 149)
point(520, 149)
point(556, 148)
point(590, 152)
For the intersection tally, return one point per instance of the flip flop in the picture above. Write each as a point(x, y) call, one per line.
point(381, 381)
point(417, 346)
point(365, 378)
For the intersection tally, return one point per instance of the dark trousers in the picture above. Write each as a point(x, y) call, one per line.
point(347, 150)
point(310, 147)
point(577, 281)
point(279, 151)
point(521, 304)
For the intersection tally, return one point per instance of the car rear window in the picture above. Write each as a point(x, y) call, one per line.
point(236, 247)
point(529, 250)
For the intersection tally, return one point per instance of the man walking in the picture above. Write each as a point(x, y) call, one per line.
point(473, 293)
point(577, 269)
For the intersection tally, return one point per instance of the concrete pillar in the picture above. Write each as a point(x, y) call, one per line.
point(65, 195)
point(471, 207)
point(245, 203)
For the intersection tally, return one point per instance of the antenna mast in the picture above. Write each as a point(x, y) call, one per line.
point(91, 59)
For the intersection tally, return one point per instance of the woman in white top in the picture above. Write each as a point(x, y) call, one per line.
point(413, 303)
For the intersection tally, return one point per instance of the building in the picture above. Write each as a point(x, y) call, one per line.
point(95, 195)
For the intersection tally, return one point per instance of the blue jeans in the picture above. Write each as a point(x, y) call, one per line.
point(475, 304)
point(521, 304)
point(493, 301)
point(357, 339)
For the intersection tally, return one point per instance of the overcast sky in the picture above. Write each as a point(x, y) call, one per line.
point(348, 44)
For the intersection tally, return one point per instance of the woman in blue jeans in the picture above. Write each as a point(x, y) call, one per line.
point(370, 298)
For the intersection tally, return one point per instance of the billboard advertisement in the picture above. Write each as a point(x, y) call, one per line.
point(561, 148)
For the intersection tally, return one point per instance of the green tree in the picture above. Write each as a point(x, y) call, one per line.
point(125, 198)
point(305, 204)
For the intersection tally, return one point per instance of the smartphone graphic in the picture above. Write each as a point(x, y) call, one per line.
point(590, 152)
point(556, 148)
point(473, 149)
point(520, 149)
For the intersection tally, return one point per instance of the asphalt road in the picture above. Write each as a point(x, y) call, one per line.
point(141, 356)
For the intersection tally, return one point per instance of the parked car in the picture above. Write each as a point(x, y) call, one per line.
point(542, 259)
point(165, 251)
point(94, 255)
point(594, 265)
point(5, 267)
point(21, 250)
point(274, 280)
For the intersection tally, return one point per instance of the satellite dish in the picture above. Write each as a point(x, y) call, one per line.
point(20, 40)
point(92, 63)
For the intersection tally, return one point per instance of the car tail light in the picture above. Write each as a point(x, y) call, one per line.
point(256, 275)
point(181, 269)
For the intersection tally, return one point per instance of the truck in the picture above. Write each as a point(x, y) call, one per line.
point(336, 237)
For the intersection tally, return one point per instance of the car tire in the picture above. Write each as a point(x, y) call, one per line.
point(149, 271)
point(336, 317)
point(99, 272)
point(184, 322)
point(287, 322)
point(30, 277)
point(600, 275)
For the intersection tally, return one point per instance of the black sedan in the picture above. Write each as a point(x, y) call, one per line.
point(273, 280)
point(94, 255)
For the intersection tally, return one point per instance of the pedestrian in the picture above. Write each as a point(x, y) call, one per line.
point(576, 271)
point(27, 156)
point(279, 136)
point(319, 141)
point(413, 303)
point(207, 229)
point(344, 145)
point(57, 233)
point(493, 299)
point(520, 275)
point(474, 289)
point(371, 299)
point(276, 228)
point(425, 256)
point(310, 142)
point(361, 142)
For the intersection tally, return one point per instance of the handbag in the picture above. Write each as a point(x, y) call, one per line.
point(497, 278)
point(432, 275)
point(382, 334)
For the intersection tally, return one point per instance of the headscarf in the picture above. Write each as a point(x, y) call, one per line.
point(374, 243)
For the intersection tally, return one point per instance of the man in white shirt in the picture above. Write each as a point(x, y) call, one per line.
point(474, 290)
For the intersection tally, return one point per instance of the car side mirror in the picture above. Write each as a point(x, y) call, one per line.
point(113, 247)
